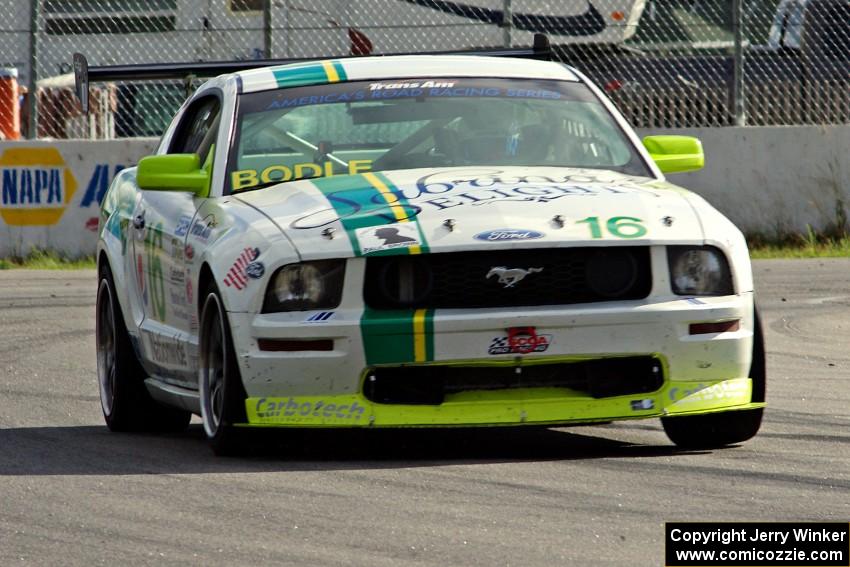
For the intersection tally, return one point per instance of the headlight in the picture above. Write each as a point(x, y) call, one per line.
point(699, 270)
point(305, 286)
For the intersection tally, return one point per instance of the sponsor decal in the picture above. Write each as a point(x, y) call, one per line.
point(183, 224)
point(166, 351)
point(372, 199)
point(319, 317)
point(180, 313)
point(443, 190)
point(177, 297)
point(92, 224)
point(37, 186)
point(411, 85)
point(642, 405)
point(176, 276)
point(236, 275)
point(732, 391)
point(361, 201)
point(153, 269)
point(202, 229)
point(255, 270)
point(177, 250)
point(388, 237)
point(509, 277)
point(475, 88)
point(296, 408)
point(189, 291)
point(140, 278)
point(247, 178)
point(189, 253)
point(508, 234)
point(520, 340)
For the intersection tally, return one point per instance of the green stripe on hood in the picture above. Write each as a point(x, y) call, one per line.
point(367, 200)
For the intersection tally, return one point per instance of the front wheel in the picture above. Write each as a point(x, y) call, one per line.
point(222, 393)
point(725, 428)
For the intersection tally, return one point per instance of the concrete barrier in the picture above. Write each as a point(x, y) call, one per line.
point(50, 191)
point(769, 180)
point(774, 180)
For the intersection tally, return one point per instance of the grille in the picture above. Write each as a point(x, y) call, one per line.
point(429, 385)
point(555, 277)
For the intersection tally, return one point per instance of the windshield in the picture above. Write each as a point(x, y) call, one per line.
point(354, 127)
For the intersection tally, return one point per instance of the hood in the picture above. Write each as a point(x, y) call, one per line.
point(454, 209)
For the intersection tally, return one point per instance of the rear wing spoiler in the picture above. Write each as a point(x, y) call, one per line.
point(83, 74)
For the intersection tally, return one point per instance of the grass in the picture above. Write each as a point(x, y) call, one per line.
point(809, 245)
point(46, 260)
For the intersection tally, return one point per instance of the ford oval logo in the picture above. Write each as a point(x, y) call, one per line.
point(508, 234)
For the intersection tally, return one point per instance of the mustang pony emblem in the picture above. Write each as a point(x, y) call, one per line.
point(510, 276)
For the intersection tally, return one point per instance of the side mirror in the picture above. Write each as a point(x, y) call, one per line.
point(173, 172)
point(675, 154)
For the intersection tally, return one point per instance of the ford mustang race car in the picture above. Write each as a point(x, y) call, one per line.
point(420, 241)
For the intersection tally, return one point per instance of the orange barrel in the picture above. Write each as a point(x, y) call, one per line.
point(10, 108)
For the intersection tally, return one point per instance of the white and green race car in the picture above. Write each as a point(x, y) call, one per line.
point(420, 241)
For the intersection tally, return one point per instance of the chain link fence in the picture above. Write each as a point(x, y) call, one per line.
point(665, 63)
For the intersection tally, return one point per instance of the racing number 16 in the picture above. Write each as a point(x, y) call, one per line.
point(621, 227)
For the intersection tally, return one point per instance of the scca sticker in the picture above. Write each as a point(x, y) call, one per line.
point(520, 340)
point(37, 186)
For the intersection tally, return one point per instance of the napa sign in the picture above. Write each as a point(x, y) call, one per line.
point(50, 191)
point(37, 186)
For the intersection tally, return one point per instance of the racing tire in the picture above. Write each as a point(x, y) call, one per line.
point(716, 430)
point(126, 403)
point(221, 391)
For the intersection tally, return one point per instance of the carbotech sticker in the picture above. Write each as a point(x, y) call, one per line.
point(301, 410)
point(237, 275)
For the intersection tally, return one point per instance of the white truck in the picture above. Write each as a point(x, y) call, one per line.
point(156, 31)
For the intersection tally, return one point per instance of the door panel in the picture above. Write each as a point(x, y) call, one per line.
point(167, 311)
point(170, 314)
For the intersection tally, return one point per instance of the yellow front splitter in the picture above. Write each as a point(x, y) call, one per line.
point(501, 407)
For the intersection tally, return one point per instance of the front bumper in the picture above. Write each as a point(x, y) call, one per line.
point(701, 373)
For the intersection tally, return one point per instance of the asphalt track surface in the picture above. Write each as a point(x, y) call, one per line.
point(71, 493)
